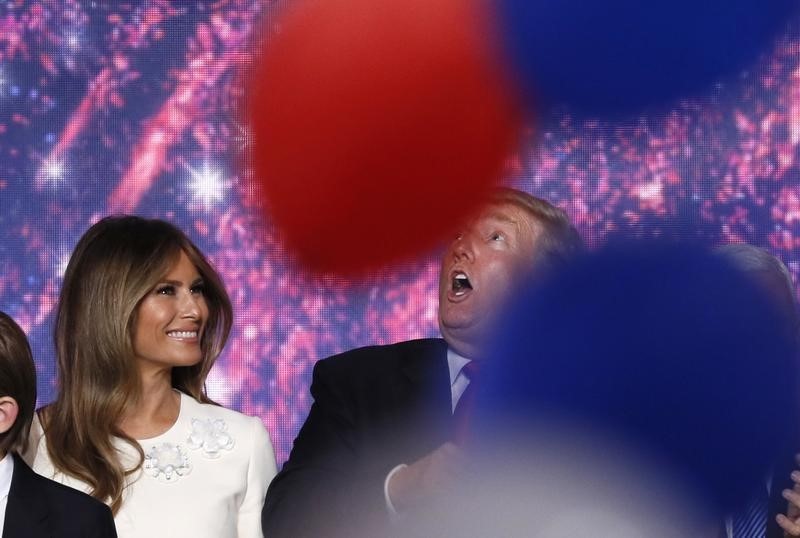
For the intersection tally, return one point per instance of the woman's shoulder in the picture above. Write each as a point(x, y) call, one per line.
point(216, 418)
point(35, 440)
point(37, 454)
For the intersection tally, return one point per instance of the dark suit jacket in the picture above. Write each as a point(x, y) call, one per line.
point(40, 508)
point(374, 408)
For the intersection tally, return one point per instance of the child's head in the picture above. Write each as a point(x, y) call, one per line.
point(17, 386)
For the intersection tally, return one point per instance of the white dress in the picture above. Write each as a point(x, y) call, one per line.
point(206, 476)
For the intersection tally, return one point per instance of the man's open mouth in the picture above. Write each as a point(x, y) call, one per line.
point(460, 284)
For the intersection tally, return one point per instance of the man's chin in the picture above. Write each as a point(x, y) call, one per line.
point(466, 339)
point(457, 324)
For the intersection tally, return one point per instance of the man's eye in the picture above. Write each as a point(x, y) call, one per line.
point(165, 290)
point(497, 236)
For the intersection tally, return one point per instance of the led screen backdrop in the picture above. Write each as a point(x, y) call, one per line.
point(110, 107)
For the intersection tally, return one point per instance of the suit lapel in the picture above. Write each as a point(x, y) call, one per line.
point(26, 512)
point(428, 387)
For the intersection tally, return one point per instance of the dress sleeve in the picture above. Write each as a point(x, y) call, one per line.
point(261, 470)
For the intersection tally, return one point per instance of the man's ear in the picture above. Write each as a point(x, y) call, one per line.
point(9, 409)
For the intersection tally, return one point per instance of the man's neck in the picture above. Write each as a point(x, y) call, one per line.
point(468, 351)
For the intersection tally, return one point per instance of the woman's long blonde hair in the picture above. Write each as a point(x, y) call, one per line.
point(113, 267)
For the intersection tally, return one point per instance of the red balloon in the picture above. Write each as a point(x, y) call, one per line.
point(378, 126)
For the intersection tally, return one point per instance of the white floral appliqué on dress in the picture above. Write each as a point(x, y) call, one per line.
point(210, 435)
point(167, 462)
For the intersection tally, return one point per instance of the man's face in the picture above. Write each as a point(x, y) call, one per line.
point(479, 271)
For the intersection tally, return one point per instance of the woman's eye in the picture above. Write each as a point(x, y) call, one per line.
point(165, 290)
point(199, 289)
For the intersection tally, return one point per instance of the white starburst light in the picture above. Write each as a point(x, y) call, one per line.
point(53, 170)
point(207, 183)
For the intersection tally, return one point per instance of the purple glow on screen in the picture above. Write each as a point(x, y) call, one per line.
point(109, 107)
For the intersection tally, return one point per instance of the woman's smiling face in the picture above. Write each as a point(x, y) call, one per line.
point(171, 318)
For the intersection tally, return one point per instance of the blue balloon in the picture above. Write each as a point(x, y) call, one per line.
point(616, 57)
point(664, 347)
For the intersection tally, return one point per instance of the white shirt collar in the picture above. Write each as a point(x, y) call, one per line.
point(6, 472)
point(455, 363)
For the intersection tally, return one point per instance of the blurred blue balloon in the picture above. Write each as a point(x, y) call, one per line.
point(664, 347)
point(616, 57)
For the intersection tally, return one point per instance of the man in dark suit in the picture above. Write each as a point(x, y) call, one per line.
point(378, 441)
point(32, 506)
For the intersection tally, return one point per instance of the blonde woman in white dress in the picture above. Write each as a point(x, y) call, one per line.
point(141, 319)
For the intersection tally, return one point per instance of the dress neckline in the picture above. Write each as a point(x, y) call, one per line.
point(181, 411)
